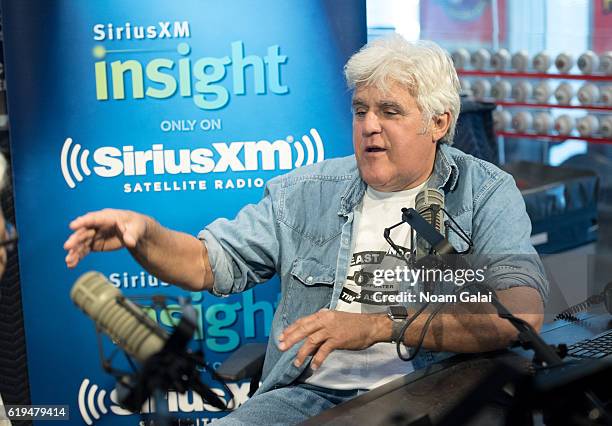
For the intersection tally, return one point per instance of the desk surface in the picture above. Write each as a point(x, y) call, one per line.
point(441, 386)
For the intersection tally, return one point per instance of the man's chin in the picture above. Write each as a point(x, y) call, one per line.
point(378, 183)
point(385, 185)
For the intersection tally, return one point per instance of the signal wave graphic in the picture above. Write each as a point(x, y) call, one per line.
point(310, 149)
point(70, 162)
point(91, 402)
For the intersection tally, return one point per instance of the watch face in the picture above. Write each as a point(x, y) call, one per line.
point(398, 311)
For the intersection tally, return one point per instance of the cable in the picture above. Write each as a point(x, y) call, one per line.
point(416, 349)
point(400, 340)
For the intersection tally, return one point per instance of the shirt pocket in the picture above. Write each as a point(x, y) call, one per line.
point(310, 209)
point(311, 284)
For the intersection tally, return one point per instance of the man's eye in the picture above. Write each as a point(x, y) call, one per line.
point(359, 113)
point(390, 112)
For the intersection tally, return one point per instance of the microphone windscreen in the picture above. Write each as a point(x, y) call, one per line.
point(121, 319)
point(424, 200)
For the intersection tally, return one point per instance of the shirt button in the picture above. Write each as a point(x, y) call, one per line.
point(309, 279)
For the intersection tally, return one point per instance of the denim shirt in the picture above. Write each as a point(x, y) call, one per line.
point(302, 231)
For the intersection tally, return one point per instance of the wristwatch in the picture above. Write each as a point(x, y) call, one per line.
point(398, 315)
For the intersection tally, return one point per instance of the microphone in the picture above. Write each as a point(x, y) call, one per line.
point(424, 205)
point(118, 317)
point(429, 205)
point(439, 245)
point(426, 220)
point(167, 362)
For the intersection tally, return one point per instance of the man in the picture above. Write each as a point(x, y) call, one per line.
point(320, 229)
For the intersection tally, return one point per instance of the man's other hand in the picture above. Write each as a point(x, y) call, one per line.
point(327, 330)
point(104, 230)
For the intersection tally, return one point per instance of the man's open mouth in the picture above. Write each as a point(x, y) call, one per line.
point(375, 149)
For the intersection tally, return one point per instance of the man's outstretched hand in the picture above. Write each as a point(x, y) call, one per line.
point(326, 330)
point(104, 230)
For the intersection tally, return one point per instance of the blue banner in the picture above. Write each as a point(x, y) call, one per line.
point(180, 110)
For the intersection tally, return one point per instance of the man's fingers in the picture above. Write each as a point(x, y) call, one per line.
point(90, 220)
point(324, 350)
point(71, 259)
point(75, 255)
point(101, 218)
point(127, 236)
point(79, 237)
point(311, 343)
point(289, 330)
point(297, 331)
point(304, 327)
point(317, 317)
point(103, 230)
point(78, 246)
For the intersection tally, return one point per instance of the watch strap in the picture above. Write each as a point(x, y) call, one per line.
point(396, 329)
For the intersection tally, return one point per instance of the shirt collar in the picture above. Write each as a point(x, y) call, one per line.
point(444, 177)
point(446, 172)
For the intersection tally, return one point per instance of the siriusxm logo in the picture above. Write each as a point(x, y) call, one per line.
point(128, 31)
point(111, 161)
point(95, 402)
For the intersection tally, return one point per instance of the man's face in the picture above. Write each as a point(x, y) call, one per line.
point(395, 148)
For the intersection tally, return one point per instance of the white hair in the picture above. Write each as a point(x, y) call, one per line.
point(423, 67)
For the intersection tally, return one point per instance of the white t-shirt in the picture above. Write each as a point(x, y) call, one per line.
point(378, 364)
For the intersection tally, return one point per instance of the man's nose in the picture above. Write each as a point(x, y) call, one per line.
point(371, 124)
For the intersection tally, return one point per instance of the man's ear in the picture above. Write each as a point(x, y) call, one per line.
point(441, 123)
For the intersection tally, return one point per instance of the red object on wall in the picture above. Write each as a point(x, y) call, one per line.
point(463, 20)
point(602, 26)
